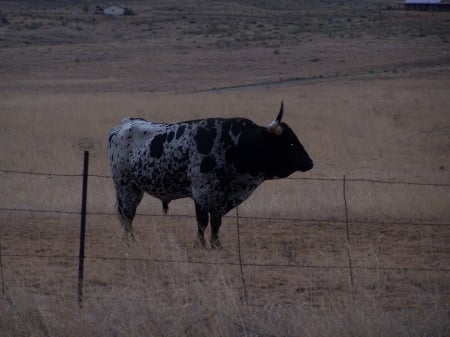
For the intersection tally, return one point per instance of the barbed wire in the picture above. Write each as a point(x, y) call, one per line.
point(32, 210)
point(41, 173)
point(225, 263)
point(243, 217)
point(369, 180)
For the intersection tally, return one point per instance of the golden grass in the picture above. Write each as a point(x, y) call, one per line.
point(136, 298)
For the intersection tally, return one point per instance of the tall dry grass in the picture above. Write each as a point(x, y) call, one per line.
point(129, 298)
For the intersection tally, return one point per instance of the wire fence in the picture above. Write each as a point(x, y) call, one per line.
point(343, 180)
point(350, 266)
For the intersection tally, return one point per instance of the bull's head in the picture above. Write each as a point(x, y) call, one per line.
point(285, 151)
point(273, 151)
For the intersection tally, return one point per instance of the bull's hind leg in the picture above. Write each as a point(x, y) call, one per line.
point(128, 198)
point(202, 221)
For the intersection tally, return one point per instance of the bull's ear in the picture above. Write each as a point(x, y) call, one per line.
point(274, 127)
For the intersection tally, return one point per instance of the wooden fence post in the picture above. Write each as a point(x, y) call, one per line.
point(83, 227)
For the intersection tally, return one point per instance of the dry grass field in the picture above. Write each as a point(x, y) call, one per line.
point(366, 88)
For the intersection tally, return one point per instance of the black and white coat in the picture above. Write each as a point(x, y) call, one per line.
point(217, 162)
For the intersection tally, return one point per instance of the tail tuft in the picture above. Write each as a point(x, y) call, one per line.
point(126, 222)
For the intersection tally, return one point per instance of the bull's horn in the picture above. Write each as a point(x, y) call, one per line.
point(274, 127)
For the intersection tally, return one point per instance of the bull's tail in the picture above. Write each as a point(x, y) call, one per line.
point(128, 198)
point(125, 221)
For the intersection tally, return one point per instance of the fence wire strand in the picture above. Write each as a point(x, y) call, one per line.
point(368, 180)
point(242, 217)
point(224, 263)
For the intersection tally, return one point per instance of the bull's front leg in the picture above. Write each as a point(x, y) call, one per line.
point(202, 222)
point(216, 221)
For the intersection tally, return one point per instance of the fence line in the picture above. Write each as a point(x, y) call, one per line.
point(369, 180)
point(346, 221)
point(224, 263)
point(32, 210)
point(41, 173)
point(287, 219)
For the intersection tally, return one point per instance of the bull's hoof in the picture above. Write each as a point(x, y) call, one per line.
point(200, 243)
point(215, 244)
